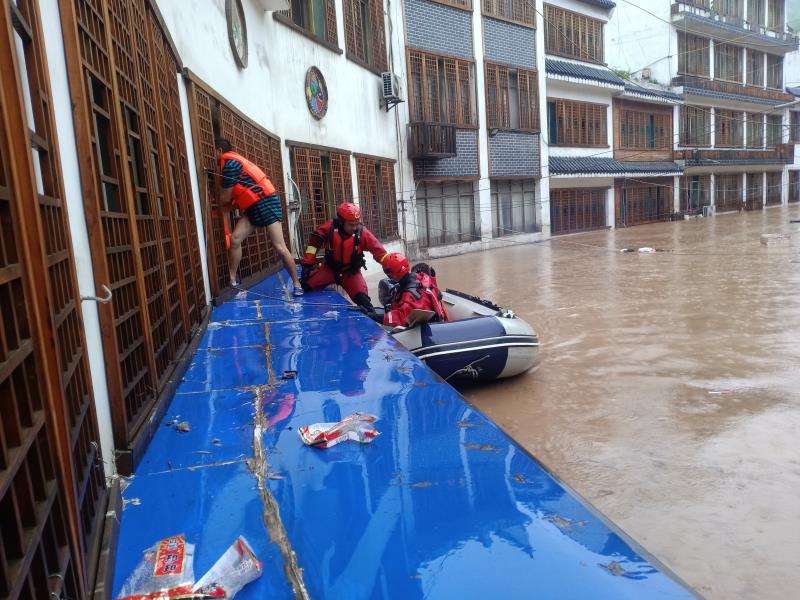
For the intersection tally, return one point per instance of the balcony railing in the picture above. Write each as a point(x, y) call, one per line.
point(728, 87)
point(705, 10)
point(431, 140)
point(782, 153)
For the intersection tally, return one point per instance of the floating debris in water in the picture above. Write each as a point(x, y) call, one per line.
point(182, 427)
point(614, 568)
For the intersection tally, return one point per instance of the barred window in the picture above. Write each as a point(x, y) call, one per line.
point(774, 130)
point(577, 123)
point(519, 11)
point(730, 8)
point(376, 196)
point(695, 126)
point(694, 55)
point(572, 34)
point(774, 187)
point(775, 71)
point(755, 68)
point(641, 203)
point(776, 14)
point(318, 17)
point(728, 62)
point(513, 207)
point(795, 127)
point(577, 210)
point(511, 98)
point(641, 130)
point(441, 89)
point(364, 32)
point(755, 12)
point(728, 192)
point(728, 126)
point(695, 193)
point(446, 213)
point(755, 130)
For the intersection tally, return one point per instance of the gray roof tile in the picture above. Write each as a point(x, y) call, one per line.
point(601, 3)
point(655, 93)
point(687, 90)
point(568, 69)
point(572, 165)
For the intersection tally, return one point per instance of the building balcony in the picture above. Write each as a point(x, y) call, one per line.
point(711, 87)
point(700, 18)
point(431, 141)
point(780, 154)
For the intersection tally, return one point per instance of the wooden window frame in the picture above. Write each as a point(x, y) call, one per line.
point(364, 33)
point(754, 69)
point(642, 202)
point(755, 130)
point(694, 55)
point(728, 129)
point(568, 33)
point(728, 191)
point(687, 188)
point(585, 112)
point(776, 7)
point(377, 197)
point(635, 126)
point(520, 12)
point(756, 17)
point(499, 98)
point(794, 127)
point(700, 118)
point(331, 37)
point(441, 89)
point(728, 62)
point(773, 135)
point(730, 8)
point(460, 4)
point(577, 209)
point(774, 187)
point(775, 71)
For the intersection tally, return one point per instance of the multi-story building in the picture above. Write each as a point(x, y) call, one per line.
point(610, 140)
point(474, 118)
point(726, 59)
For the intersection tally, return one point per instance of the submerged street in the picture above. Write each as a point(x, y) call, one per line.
point(667, 391)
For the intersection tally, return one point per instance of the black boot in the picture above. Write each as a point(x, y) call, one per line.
point(361, 299)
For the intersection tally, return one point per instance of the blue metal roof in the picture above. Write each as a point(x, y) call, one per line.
point(569, 69)
point(442, 504)
point(655, 93)
point(570, 165)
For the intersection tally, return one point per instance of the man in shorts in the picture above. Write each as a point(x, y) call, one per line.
point(246, 187)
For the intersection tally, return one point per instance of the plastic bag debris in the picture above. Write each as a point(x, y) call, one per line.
point(234, 570)
point(647, 250)
point(357, 427)
point(165, 571)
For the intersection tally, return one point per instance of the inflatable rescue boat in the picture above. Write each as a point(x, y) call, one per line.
point(479, 343)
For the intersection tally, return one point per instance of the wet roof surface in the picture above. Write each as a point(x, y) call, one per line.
point(442, 505)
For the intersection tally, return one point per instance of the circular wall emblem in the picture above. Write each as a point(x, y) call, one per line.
point(316, 93)
point(237, 31)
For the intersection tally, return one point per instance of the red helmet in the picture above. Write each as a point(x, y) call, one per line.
point(396, 266)
point(348, 212)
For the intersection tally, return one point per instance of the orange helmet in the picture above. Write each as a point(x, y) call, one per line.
point(396, 266)
point(348, 212)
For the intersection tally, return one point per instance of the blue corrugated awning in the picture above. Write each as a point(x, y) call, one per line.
point(443, 504)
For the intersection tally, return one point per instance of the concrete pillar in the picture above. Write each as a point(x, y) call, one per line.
point(712, 190)
point(764, 188)
point(610, 214)
point(543, 185)
point(744, 188)
point(713, 126)
point(676, 194)
point(483, 196)
point(711, 59)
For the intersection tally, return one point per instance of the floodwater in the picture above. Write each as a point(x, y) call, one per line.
point(668, 386)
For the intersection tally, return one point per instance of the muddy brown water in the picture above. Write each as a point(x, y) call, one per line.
point(667, 391)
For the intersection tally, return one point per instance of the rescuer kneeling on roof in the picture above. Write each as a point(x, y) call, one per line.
point(344, 240)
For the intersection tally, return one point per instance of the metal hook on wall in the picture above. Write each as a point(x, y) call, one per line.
point(105, 300)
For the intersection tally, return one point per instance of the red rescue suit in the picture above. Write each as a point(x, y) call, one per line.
point(242, 195)
point(344, 257)
point(415, 290)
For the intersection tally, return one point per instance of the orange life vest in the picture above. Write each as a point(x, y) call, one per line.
point(243, 194)
point(344, 254)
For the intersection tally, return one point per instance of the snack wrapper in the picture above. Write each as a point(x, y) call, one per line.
point(165, 571)
point(357, 427)
point(234, 570)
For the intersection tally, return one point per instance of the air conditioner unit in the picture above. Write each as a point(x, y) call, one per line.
point(708, 211)
point(390, 90)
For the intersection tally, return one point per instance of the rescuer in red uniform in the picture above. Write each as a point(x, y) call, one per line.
point(415, 288)
point(344, 240)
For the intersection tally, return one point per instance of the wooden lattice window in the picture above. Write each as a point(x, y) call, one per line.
point(641, 202)
point(644, 130)
point(695, 126)
point(774, 187)
point(577, 210)
point(365, 39)
point(694, 55)
point(511, 98)
point(754, 68)
point(775, 71)
point(575, 123)
point(572, 34)
point(755, 130)
point(376, 196)
point(318, 17)
point(794, 186)
point(756, 12)
point(324, 180)
point(728, 192)
point(441, 89)
point(695, 193)
point(754, 191)
point(794, 130)
point(730, 8)
point(518, 11)
point(776, 14)
point(774, 130)
point(728, 128)
point(728, 62)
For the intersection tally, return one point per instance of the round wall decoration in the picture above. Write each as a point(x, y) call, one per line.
point(316, 93)
point(237, 31)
